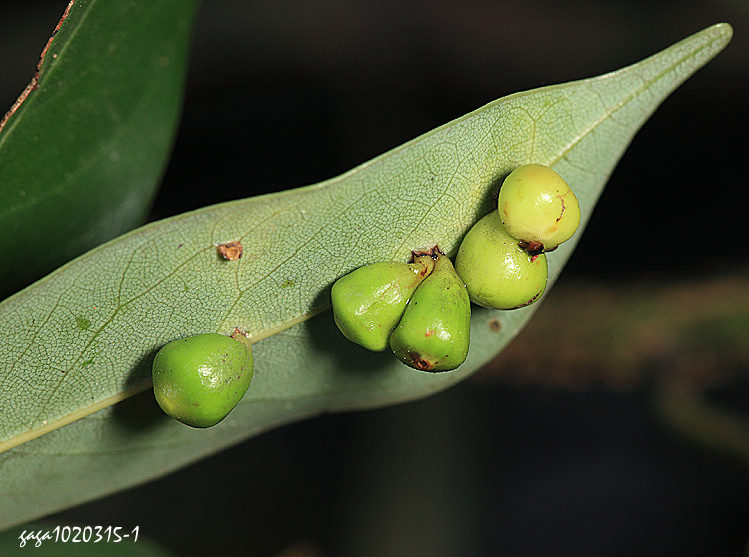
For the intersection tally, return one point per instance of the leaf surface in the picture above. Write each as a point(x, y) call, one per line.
point(82, 155)
point(83, 338)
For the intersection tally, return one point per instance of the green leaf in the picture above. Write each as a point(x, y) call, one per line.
point(83, 338)
point(82, 155)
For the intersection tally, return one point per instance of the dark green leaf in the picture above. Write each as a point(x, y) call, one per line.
point(81, 157)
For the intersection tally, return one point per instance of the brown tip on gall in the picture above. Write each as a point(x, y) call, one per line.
point(419, 362)
point(231, 251)
point(533, 248)
point(434, 252)
point(238, 332)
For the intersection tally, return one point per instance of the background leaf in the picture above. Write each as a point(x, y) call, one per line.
point(81, 158)
point(79, 341)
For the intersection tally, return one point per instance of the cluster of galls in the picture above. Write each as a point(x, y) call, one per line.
point(422, 309)
point(502, 258)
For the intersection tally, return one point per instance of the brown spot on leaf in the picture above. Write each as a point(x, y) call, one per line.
point(495, 325)
point(231, 251)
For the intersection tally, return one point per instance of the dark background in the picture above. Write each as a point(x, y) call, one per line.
point(284, 94)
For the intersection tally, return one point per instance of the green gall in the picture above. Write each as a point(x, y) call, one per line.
point(497, 272)
point(199, 379)
point(369, 302)
point(535, 204)
point(434, 333)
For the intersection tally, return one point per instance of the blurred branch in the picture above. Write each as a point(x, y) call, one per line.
point(589, 332)
point(685, 340)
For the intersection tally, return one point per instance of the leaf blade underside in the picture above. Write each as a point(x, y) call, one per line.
point(87, 341)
